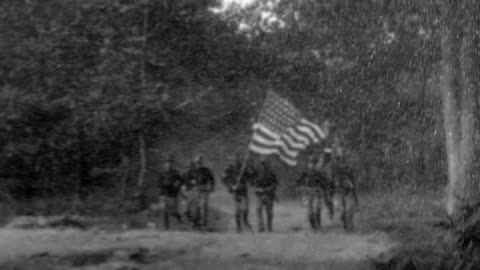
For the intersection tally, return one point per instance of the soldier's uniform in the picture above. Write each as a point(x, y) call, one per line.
point(192, 202)
point(325, 168)
point(346, 188)
point(170, 183)
point(311, 184)
point(239, 191)
point(265, 186)
point(204, 185)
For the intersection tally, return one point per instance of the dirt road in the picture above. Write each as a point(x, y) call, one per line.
point(291, 246)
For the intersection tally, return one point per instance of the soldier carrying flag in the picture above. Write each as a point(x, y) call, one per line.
point(282, 130)
point(239, 190)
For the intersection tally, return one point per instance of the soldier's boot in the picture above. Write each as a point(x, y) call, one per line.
point(330, 208)
point(344, 220)
point(331, 211)
point(343, 214)
point(245, 220)
point(261, 225)
point(318, 220)
point(346, 215)
point(178, 217)
point(166, 220)
point(196, 219)
point(311, 219)
point(350, 226)
point(188, 215)
point(205, 217)
point(238, 221)
point(349, 216)
point(270, 220)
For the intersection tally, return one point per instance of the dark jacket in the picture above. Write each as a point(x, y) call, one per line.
point(310, 179)
point(327, 174)
point(230, 179)
point(344, 177)
point(266, 181)
point(170, 182)
point(201, 178)
point(190, 179)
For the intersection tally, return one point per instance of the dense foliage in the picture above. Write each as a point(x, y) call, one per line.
point(86, 82)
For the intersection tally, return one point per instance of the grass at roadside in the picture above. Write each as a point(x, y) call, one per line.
point(409, 217)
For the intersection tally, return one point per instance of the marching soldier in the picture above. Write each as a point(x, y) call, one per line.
point(170, 183)
point(204, 182)
point(265, 186)
point(192, 205)
point(239, 190)
point(325, 168)
point(345, 185)
point(310, 185)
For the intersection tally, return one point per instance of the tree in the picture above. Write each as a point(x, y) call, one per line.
point(347, 59)
point(459, 63)
point(87, 82)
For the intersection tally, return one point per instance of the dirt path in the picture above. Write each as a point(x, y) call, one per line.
point(291, 246)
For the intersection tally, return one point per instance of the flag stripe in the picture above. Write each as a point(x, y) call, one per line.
point(260, 139)
point(298, 136)
point(295, 139)
point(311, 134)
point(267, 131)
point(287, 148)
point(320, 133)
point(292, 142)
point(282, 130)
point(263, 136)
point(291, 162)
point(262, 150)
point(303, 134)
point(280, 146)
point(267, 150)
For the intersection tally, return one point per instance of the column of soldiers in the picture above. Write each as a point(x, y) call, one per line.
point(325, 175)
point(264, 182)
point(195, 187)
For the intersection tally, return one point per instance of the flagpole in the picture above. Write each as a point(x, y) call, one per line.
point(244, 165)
point(247, 155)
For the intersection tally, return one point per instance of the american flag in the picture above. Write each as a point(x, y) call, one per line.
point(281, 129)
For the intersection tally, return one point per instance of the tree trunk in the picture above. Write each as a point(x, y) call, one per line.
point(143, 76)
point(459, 104)
point(143, 79)
point(421, 155)
point(143, 160)
point(124, 173)
point(365, 172)
point(468, 100)
point(450, 49)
